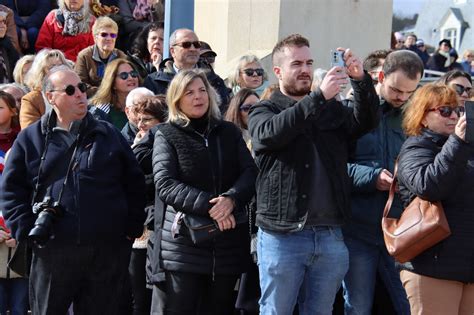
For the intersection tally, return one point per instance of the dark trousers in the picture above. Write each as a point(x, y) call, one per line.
point(141, 295)
point(189, 293)
point(91, 277)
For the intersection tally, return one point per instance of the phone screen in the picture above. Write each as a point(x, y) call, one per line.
point(469, 106)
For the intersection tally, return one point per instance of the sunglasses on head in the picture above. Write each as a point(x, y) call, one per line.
point(187, 45)
point(105, 34)
point(124, 75)
point(250, 72)
point(446, 111)
point(460, 89)
point(245, 107)
point(71, 89)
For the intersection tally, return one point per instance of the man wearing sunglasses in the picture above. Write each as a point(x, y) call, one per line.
point(185, 52)
point(95, 187)
point(371, 171)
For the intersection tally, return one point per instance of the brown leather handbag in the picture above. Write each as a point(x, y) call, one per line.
point(421, 225)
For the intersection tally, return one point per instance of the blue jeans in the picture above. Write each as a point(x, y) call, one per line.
point(365, 260)
point(305, 267)
point(14, 296)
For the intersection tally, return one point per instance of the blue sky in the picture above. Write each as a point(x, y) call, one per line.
point(407, 7)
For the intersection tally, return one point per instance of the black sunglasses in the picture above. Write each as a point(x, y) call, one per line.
point(71, 89)
point(245, 107)
point(446, 111)
point(105, 34)
point(460, 89)
point(250, 72)
point(124, 75)
point(187, 45)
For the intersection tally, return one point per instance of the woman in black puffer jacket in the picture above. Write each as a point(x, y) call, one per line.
point(437, 164)
point(201, 168)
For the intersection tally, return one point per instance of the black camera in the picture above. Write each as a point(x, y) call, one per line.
point(47, 211)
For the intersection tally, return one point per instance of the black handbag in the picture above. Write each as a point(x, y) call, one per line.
point(201, 228)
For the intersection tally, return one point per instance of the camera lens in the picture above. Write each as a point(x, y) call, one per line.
point(42, 231)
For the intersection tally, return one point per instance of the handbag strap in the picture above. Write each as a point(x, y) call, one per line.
point(391, 193)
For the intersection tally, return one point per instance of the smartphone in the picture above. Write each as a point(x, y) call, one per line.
point(337, 58)
point(469, 112)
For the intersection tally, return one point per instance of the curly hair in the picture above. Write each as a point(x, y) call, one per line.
point(140, 46)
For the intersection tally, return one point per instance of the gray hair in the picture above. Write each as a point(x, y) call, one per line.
point(137, 92)
point(175, 34)
point(13, 85)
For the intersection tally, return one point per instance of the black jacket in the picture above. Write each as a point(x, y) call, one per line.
point(283, 132)
point(440, 168)
point(159, 81)
point(190, 170)
point(104, 195)
point(10, 56)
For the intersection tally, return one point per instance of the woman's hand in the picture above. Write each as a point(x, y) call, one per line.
point(4, 236)
point(11, 243)
point(460, 129)
point(227, 223)
point(156, 59)
point(223, 206)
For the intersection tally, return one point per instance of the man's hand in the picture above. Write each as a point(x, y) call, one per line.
point(331, 84)
point(24, 39)
point(384, 180)
point(353, 65)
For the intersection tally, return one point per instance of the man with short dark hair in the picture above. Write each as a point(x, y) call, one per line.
point(301, 141)
point(74, 191)
point(371, 171)
point(373, 63)
point(185, 51)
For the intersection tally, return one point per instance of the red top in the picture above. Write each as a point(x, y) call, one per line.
point(50, 36)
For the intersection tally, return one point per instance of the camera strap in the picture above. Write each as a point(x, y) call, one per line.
point(72, 148)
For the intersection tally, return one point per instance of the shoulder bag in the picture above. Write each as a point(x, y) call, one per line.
point(421, 225)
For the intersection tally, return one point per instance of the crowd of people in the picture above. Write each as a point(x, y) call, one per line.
point(133, 184)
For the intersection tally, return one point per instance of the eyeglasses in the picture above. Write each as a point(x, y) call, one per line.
point(187, 45)
point(460, 89)
point(209, 59)
point(446, 111)
point(124, 75)
point(245, 107)
point(147, 120)
point(71, 89)
point(111, 35)
point(401, 41)
point(250, 72)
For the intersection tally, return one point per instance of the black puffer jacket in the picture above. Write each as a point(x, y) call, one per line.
point(440, 168)
point(189, 171)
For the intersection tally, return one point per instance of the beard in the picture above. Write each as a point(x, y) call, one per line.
point(297, 89)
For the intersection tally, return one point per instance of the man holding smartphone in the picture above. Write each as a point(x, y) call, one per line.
point(371, 170)
point(301, 141)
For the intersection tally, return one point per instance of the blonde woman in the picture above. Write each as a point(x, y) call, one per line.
point(22, 67)
point(32, 104)
point(120, 78)
point(92, 61)
point(249, 74)
point(201, 168)
point(68, 28)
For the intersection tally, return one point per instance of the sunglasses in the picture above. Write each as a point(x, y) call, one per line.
point(124, 75)
point(111, 35)
point(71, 89)
point(250, 72)
point(446, 111)
point(461, 89)
point(187, 45)
point(245, 107)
